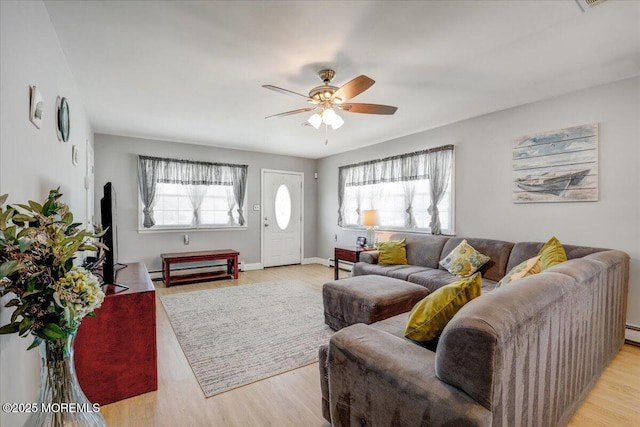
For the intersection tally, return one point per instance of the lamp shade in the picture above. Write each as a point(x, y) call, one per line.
point(370, 218)
point(315, 120)
point(336, 121)
point(328, 116)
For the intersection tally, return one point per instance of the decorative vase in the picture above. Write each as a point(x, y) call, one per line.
point(61, 401)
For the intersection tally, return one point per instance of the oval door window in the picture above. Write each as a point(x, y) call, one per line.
point(283, 206)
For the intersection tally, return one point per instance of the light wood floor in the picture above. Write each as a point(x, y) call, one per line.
point(293, 398)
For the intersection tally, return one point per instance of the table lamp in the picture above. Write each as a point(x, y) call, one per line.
point(370, 219)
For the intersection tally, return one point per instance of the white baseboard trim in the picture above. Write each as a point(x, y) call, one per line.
point(253, 266)
point(344, 265)
point(316, 260)
point(632, 334)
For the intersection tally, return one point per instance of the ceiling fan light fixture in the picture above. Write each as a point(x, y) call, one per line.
point(328, 115)
point(326, 98)
point(315, 120)
point(336, 122)
point(330, 118)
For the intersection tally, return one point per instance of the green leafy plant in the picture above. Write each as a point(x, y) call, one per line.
point(38, 245)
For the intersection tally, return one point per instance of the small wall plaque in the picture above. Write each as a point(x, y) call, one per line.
point(36, 107)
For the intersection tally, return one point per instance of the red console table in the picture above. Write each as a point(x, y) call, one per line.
point(228, 255)
point(115, 352)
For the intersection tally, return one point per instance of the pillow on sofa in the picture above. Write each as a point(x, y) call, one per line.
point(392, 252)
point(552, 253)
point(526, 268)
point(430, 315)
point(464, 260)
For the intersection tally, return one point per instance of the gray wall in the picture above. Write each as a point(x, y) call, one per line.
point(32, 160)
point(116, 161)
point(483, 176)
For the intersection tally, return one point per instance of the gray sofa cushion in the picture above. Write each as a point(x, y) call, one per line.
point(435, 279)
point(524, 250)
point(422, 249)
point(397, 324)
point(401, 272)
point(393, 325)
point(405, 271)
point(497, 250)
point(364, 268)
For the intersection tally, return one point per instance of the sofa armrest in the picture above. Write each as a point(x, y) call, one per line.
point(472, 347)
point(377, 378)
point(370, 257)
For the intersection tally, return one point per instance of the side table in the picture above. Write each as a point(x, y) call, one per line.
point(351, 254)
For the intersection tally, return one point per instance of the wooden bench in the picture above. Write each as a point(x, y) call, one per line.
point(229, 255)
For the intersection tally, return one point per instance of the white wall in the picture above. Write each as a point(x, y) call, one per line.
point(33, 161)
point(483, 176)
point(117, 161)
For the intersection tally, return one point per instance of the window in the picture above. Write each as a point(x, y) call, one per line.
point(185, 194)
point(173, 206)
point(283, 207)
point(402, 189)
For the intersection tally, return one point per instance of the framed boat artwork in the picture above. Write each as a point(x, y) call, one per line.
point(556, 166)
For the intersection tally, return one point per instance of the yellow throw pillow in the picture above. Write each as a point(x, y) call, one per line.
point(430, 315)
point(392, 252)
point(552, 253)
point(525, 268)
point(464, 260)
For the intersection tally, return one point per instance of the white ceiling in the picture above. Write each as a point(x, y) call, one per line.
point(192, 71)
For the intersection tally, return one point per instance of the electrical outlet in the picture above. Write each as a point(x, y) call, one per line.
point(335, 237)
point(186, 239)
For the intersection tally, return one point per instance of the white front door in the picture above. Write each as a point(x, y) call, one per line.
point(281, 218)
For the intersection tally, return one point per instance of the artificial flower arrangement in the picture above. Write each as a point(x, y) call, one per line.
point(38, 245)
point(50, 296)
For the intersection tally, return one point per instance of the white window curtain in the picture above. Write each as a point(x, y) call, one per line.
point(196, 175)
point(433, 165)
point(231, 203)
point(440, 164)
point(409, 196)
point(196, 195)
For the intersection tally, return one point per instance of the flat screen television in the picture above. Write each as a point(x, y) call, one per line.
point(109, 218)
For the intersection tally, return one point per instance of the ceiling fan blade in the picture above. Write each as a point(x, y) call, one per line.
point(368, 108)
point(285, 91)
point(288, 113)
point(353, 88)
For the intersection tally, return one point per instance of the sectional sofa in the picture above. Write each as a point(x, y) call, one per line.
point(523, 354)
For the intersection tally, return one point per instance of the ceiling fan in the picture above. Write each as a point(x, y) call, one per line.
point(326, 98)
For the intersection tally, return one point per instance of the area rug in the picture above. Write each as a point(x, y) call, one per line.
point(241, 334)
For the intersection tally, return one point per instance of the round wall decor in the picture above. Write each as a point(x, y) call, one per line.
point(63, 119)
